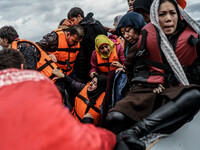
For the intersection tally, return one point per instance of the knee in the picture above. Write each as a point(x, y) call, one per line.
point(115, 116)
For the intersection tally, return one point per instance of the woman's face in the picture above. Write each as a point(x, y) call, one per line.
point(130, 34)
point(92, 85)
point(104, 49)
point(168, 17)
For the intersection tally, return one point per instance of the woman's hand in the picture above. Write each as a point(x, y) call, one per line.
point(53, 57)
point(58, 74)
point(116, 64)
point(92, 74)
point(119, 69)
point(159, 89)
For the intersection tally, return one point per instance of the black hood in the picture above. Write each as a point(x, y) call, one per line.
point(142, 4)
point(88, 19)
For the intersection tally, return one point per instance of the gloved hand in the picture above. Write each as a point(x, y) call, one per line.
point(131, 139)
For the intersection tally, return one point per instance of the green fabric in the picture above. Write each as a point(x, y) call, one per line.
point(101, 40)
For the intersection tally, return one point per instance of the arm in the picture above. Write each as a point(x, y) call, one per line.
point(129, 62)
point(93, 62)
point(49, 42)
point(120, 54)
point(72, 83)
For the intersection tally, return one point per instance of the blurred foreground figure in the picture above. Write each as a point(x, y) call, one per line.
point(33, 117)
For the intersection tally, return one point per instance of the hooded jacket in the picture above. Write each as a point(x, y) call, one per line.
point(92, 28)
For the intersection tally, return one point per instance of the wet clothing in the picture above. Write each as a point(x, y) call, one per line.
point(42, 122)
point(92, 28)
point(141, 101)
point(55, 43)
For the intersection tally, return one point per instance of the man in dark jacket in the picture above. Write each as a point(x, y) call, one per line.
point(92, 28)
point(143, 7)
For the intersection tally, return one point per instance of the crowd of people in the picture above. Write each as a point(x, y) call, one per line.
point(87, 86)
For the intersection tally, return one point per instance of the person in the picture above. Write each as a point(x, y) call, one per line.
point(63, 46)
point(89, 97)
point(129, 28)
point(164, 92)
point(11, 58)
point(64, 23)
point(42, 122)
point(35, 57)
point(108, 55)
point(92, 28)
point(130, 4)
point(143, 7)
point(115, 23)
point(8, 36)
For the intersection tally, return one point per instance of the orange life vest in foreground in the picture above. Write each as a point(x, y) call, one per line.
point(65, 56)
point(104, 64)
point(82, 102)
point(45, 65)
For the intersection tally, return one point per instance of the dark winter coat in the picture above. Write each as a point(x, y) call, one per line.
point(92, 28)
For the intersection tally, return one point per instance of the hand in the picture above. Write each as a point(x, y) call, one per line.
point(119, 69)
point(53, 57)
point(88, 115)
point(159, 89)
point(58, 74)
point(130, 9)
point(116, 64)
point(92, 74)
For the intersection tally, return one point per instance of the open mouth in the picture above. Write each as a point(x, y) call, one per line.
point(168, 27)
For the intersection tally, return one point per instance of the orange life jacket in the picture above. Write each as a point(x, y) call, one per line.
point(104, 64)
point(65, 56)
point(45, 65)
point(82, 102)
point(121, 41)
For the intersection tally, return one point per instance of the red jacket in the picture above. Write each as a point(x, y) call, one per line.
point(33, 117)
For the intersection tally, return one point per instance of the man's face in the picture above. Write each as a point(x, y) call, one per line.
point(74, 21)
point(4, 43)
point(72, 40)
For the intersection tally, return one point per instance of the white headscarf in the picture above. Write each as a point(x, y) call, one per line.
point(166, 47)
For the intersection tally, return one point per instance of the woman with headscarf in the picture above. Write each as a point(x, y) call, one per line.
point(89, 97)
point(164, 92)
point(108, 55)
point(129, 28)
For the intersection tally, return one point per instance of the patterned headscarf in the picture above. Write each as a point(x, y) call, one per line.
point(101, 40)
point(165, 44)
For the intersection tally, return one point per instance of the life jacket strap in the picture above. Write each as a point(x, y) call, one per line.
point(88, 103)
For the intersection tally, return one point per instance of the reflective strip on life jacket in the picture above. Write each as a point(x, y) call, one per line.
point(82, 103)
point(45, 65)
point(104, 64)
point(65, 56)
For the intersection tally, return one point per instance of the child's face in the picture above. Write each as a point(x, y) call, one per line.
point(130, 34)
point(104, 49)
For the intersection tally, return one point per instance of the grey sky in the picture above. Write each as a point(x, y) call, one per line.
point(33, 19)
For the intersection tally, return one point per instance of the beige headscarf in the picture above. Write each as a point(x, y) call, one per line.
point(101, 40)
